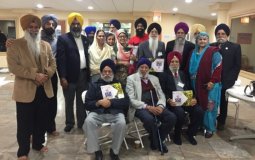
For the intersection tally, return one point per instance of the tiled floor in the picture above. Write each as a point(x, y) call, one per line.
point(71, 147)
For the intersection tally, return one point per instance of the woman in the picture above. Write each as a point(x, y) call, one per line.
point(98, 52)
point(205, 67)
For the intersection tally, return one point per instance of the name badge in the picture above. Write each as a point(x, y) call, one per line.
point(160, 54)
point(180, 84)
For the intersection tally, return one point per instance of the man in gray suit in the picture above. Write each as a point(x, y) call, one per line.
point(148, 104)
point(152, 48)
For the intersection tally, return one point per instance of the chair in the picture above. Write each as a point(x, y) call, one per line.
point(105, 138)
point(236, 102)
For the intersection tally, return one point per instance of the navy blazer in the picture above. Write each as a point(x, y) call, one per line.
point(231, 63)
point(187, 50)
point(68, 57)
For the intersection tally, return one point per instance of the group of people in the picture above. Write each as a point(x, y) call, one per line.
point(101, 63)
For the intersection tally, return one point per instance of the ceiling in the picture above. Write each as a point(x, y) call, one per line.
point(198, 8)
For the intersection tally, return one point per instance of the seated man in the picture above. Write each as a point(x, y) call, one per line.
point(148, 104)
point(110, 108)
point(175, 80)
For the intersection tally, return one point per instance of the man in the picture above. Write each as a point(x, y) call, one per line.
point(141, 36)
point(195, 30)
point(90, 33)
point(175, 80)
point(148, 103)
point(73, 69)
point(114, 26)
point(105, 109)
point(31, 61)
point(152, 48)
point(231, 65)
point(49, 24)
point(3, 39)
point(180, 44)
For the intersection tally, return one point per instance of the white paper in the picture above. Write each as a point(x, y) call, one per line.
point(158, 65)
point(135, 49)
point(179, 98)
point(108, 91)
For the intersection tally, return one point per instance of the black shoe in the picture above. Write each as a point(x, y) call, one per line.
point(99, 155)
point(220, 126)
point(68, 128)
point(192, 140)
point(113, 155)
point(177, 140)
point(164, 147)
point(208, 135)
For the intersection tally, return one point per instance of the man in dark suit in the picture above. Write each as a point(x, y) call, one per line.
point(152, 48)
point(73, 69)
point(231, 65)
point(180, 44)
point(176, 80)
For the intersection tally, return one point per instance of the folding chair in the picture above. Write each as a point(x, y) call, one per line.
point(105, 138)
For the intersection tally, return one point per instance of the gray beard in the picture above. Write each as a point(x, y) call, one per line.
point(76, 34)
point(173, 70)
point(153, 45)
point(141, 76)
point(33, 43)
point(107, 78)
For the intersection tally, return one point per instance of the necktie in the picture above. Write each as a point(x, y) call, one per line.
point(175, 74)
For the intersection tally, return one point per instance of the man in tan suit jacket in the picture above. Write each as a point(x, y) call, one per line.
point(31, 61)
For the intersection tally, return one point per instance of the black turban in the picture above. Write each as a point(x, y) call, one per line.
point(154, 25)
point(109, 63)
point(142, 21)
point(223, 27)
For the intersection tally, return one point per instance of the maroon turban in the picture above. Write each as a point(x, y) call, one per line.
point(171, 55)
point(182, 26)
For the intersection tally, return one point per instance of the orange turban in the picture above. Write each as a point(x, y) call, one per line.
point(29, 18)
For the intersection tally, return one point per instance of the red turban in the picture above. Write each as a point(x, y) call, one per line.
point(171, 55)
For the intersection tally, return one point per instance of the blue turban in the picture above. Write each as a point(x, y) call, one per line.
point(115, 23)
point(142, 61)
point(47, 18)
point(90, 29)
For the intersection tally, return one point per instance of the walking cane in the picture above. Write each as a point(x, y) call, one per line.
point(158, 124)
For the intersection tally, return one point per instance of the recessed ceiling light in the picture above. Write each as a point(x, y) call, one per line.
point(39, 6)
point(188, 1)
point(213, 14)
point(175, 9)
point(90, 7)
point(79, 0)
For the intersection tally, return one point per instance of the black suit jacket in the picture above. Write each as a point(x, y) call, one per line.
point(231, 63)
point(188, 47)
point(167, 83)
point(68, 57)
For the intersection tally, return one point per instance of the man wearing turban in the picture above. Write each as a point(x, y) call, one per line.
point(180, 44)
point(141, 36)
point(90, 33)
point(73, 69)
point(152, 48)
point(174, 79)
point(195, 30)
point(49, 25)
point(31, 61)
point(114, 25)
point(231, 65)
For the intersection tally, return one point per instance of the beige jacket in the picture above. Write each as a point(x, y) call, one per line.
point(23, 65)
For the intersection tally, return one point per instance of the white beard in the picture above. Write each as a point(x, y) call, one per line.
point(107, 78)
point(153, 45)
point(33, 43)
point(145, 76)
point(173, 69)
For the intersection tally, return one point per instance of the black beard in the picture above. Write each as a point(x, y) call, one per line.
point(140, 32)
point(91, 39)
point(49, 31)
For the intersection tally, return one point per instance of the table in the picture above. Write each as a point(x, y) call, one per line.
point(238, 92)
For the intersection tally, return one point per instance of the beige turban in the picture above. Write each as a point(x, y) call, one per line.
point(197, 28)
point(29, 18)
point(75, 15)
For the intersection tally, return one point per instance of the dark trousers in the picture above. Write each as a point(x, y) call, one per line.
point(223, 107)
point(32, 120)
point(196, 114)
point(53, 105)
point(166, 118)
point(74, 90)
